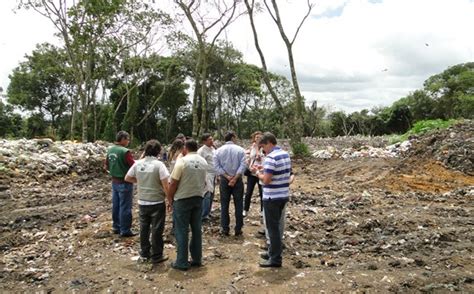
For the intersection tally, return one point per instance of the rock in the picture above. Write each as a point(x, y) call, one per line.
point(372, 267)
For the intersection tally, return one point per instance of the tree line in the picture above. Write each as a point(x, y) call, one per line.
point(110, 74)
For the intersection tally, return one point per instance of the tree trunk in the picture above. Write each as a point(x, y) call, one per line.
point(84, 112)
point(73, 117)
point(219, 112)
point(204, 119)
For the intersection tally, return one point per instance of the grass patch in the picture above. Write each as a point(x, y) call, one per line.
point(423, 127)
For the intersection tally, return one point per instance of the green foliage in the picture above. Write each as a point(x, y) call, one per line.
point(423, 127)
point(10, 122)
point(300, 149)
point(40, 83)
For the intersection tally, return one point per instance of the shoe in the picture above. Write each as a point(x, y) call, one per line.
point(142, 260)
point(173, 265)
point(268, 263)
point(245, 213)
point(224, 233)
point(264, 255)
point(195, 264)
point(239, 233)
point(129, 234)
point(159, 259)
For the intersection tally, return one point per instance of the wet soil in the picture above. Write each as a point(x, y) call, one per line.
point(361, 225)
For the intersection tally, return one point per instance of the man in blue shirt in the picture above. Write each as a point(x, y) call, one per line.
point(276, 182)
point(229, 163)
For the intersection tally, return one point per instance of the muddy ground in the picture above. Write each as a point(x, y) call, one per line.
point(360, 225)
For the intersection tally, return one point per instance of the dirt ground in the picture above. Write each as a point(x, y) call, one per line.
point(361, 225)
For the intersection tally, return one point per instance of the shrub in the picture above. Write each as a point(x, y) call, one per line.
point(423, 127)
point(300, 149)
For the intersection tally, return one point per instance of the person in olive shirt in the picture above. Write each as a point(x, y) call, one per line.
point(151, 177)
point(119, 159)
point(188, 183)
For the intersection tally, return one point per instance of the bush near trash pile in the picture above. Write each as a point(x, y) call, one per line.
point(422, 127)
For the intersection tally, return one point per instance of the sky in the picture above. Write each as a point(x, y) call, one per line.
point(350, 54)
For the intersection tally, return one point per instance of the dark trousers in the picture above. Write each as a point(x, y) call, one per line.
point(152, 220)
point(251, 182)
point(237, 191)
point(273, 210)
point(186, 213)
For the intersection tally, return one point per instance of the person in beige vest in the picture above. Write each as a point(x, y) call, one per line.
point(187, 187)
point(151, 177)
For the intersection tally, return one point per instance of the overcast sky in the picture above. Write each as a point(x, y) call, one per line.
point(350, 54)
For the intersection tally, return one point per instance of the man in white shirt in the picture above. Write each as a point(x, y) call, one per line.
point(151, 177)
point(207, 152)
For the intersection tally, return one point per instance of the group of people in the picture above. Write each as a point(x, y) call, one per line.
point(187, 190)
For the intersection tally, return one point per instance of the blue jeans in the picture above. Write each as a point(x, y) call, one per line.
point(122, 200)
point(186, 213)
point(207, 204)
point(273, 210)
point(152, 221)
point(238, 193)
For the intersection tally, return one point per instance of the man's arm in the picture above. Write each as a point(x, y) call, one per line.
point(164, 183)
point(106, 163)
point(129, 158)
point(217, 165)
point(130, 179)
point(173, 186)
point(265, 177)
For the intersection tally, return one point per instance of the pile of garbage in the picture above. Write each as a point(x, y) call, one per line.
point(453, 147)
point(395, 150)
point(38, 157)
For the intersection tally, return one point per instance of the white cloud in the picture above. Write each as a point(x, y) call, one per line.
point(350, 54)
point(371, 53)
point(21, 31)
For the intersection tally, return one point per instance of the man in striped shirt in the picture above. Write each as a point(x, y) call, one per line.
point(275, 176)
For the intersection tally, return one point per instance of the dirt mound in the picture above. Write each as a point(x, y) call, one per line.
point(453, 147)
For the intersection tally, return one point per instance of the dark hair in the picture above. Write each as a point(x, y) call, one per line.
point(121, 135)
point(205, 136)
point(177, 145)
point(229, 135)
point(191, 145)
point(152, 148)
point(268, 138)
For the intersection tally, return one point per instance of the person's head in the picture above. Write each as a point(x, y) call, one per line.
point(181, 137)
point(176, 148)
point(267, 142)
point(206, 139)
point(256, 136)
point(122, 138)
point(230, 136)
point(152, 148)
point(190, 146)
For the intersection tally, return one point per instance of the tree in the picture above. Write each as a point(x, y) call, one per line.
point(40, 83)
point(448, 87)
point(198, 15)
point(10, 122)
point(89, 30)
point(299, 99)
